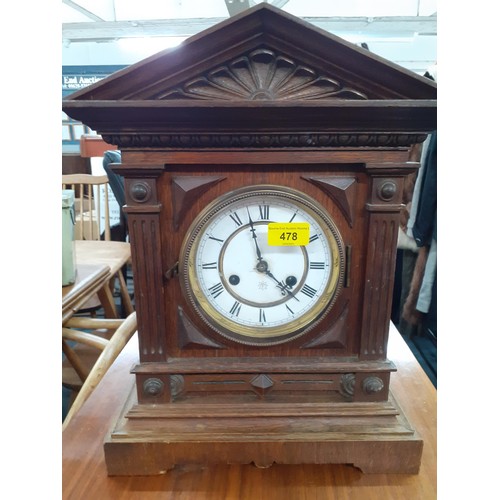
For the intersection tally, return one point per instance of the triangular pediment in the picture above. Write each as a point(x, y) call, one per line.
point(262, 54)
point(261, 79)
point(261, 74)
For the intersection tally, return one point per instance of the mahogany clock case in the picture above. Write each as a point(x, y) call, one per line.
point(262, 99)
point(224, 179)
point(343, 190)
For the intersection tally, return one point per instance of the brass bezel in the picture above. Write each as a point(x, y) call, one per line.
point(261, 335)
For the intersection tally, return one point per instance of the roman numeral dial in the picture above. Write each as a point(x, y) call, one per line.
point(245, 286)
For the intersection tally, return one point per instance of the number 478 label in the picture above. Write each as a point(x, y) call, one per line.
point(288, 233)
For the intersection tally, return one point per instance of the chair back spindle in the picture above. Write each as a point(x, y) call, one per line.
point(91, 192)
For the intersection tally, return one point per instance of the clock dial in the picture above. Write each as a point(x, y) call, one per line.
point(254, 289)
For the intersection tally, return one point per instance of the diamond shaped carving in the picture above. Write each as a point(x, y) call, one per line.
point(190, 337)
point(261, 384)
point(186, 189)
point(335, 336)
point(340, 189)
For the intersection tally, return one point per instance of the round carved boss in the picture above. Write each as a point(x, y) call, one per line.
point(387, 190)
point(153, 387)
point(140, 191)
point(372, 385)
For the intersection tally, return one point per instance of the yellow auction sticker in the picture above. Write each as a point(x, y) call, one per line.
point(288, 233)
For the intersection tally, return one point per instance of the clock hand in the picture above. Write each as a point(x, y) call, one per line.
point(254, 236)
point(262, 264)
point(280, 285)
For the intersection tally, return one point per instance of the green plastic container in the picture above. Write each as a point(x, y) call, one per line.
point(68, 237)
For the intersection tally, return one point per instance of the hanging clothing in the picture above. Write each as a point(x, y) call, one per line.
point(425, 295)
point(424, 228)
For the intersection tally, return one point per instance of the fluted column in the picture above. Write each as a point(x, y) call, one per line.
point(383, 211)
point(143, 212)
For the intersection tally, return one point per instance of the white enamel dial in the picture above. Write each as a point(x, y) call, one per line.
point(249, 290)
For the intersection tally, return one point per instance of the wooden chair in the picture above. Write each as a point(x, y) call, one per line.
point(91, 344)
point(93, 246)
point(107, 335)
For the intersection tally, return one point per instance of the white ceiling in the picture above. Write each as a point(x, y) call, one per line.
point(125, 10)
point(403, 31)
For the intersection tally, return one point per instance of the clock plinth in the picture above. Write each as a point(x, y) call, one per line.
point(150, 440)
point(252, 351)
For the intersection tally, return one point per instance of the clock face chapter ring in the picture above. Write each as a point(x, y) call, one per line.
point(237, 250)
point(251, 288)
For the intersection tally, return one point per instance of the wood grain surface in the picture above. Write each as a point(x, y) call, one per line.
point(85, 475)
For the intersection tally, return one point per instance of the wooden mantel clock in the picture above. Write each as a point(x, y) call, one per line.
point(264, 162)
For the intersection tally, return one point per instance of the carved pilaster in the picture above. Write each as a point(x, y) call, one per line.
point(143, 213)
point(383, 212)
point(144, 231)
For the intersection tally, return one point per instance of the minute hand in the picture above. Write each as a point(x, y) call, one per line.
point(280, 285)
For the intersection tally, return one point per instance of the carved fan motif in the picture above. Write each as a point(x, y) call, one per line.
point(263, 75)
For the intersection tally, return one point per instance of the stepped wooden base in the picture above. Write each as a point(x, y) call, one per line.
point(151, 439)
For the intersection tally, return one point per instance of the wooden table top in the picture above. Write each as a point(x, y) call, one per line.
point(85, 476)
point(111, 253)
point(89, 279)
